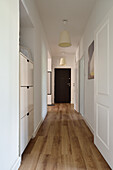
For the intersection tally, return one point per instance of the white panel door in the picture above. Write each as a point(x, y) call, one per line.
point(23, 71)
point(23, 133)
point(104, 88)
point(30, 74)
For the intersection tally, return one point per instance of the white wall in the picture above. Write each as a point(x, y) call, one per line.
point(40, 64)
point(9, 85)
point(81, 86)
point(100, 10)
point(44, 79)
point(49, 63)
point(27, 39)
point(76, 94)
point(70, 61)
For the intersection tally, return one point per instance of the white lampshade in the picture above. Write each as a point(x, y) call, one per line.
point(62, 62)
point(65, 40)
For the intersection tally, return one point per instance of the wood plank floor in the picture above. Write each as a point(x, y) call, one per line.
point(63, 142)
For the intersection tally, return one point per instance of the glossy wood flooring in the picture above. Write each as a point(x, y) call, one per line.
point(63, 142)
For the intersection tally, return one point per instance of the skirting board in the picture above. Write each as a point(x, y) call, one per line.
point(87, 123)
point(37, 128)
point(16, 164)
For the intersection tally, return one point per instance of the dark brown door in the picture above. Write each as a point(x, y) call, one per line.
point(62, 85)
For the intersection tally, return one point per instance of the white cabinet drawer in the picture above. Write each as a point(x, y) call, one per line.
point(23, 133)
point(30, 124)
point(30, 98)
point(23, 101)
point(23, 71)
point(26, 100)
point(26, 72)
point(26, 130)
point(30, 73)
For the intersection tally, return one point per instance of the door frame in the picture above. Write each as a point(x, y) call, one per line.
point(82, 58)
point(68, 68)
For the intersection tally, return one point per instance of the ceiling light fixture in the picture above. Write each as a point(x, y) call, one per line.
point(65, 40)
point(62, 61)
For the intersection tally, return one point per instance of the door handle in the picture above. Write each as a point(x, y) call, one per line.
point(68, 84)
point(27, 114)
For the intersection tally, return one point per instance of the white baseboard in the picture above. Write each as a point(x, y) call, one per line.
point(16, 164)
point(88, 124)
point(37, 128)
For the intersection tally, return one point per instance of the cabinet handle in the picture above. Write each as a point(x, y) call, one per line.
point(27, 87)
point(27, 114)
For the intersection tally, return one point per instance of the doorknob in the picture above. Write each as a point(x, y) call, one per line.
point(27, 114)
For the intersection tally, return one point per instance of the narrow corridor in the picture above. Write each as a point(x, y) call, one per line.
point(63, 142)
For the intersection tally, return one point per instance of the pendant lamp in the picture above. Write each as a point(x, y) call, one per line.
point(62, 61)
point(65, 40)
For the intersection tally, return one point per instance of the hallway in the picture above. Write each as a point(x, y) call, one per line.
point(63, 142)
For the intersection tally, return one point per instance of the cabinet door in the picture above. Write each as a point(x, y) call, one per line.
point(23, 101)
point(26, 100)
point(23, 71)
point(30, 98)
point(23, 133)
point(30, 125)
point(26, 130)
point(30, 74)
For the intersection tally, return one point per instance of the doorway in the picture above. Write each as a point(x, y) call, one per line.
point(82, 85)
point(62, 85)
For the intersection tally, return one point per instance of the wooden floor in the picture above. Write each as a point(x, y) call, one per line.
point(63, 142)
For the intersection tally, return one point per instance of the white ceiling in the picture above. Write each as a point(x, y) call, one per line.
point(52, 12)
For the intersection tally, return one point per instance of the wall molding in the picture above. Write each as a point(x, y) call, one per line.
point(16, 164)
point(37, 128)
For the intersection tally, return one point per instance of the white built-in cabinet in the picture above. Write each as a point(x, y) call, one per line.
point(26, 102)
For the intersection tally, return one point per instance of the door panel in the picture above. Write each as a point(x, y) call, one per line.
point(103, 59)
point(103, 123)
point(104, 88)
point(62, 85)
